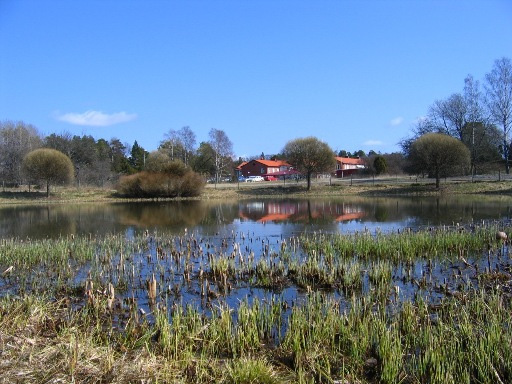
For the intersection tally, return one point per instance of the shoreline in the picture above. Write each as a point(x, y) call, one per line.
point(323, 188)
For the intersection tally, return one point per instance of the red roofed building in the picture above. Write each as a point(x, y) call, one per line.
point(346, 166)
point(262, 167)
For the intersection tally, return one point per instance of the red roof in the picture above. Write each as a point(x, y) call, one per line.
point(241, 165)
point(267, 163)
point(350, 160)
point(273, 163)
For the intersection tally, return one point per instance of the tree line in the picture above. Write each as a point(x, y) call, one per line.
point(102, 162)
point(477, 117)
point(468, 132)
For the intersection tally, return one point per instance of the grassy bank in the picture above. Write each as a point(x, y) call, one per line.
point(382, 186)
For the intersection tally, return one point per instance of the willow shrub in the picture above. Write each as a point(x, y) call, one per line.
point(161, 184)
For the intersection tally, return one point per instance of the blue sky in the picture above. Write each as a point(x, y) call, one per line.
point(355, 74)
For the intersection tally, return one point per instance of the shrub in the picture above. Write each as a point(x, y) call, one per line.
point(161, 184)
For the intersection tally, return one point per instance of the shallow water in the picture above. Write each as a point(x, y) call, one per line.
point(268, 218)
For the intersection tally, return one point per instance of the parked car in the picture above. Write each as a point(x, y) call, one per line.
point(270, 178)
point(241, 179)
point(254, 178)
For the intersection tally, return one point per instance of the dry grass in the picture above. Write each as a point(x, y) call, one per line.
point(383, 186)
point(44, 342)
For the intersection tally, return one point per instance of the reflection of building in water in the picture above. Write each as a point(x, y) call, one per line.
point(349, 212)
point(299, 211)
point(280, 211)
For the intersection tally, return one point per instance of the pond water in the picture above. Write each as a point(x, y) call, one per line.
point(281, 218)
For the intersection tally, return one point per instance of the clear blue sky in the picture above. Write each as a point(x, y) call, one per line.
point(356, 74)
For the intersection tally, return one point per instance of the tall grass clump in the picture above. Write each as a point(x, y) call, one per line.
point(252, 371)
point(403, 245)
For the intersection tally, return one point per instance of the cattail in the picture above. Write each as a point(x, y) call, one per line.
point(8, 270)
point(152, 288)
point(110, 296)
point(89, 290)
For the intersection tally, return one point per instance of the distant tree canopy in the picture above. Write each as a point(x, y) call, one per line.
point(499, 100)
point(16, 140)
point(379, 163)
point(310, 155)
point(137, 158)
point(222, 151)
point(475, 118)
point(438, 155)
point(180, 144)
point(49, 166)
point(204, 161)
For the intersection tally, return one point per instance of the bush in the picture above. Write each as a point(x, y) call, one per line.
point(160, 184)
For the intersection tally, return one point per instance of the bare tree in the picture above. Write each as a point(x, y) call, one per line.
point(498, 99)
point(16, 140)
point(171, 142)
point(188, 140)
point(180, 144)
point(450, 115)
point(474, 116)
point(473, 100)
point(222, 148)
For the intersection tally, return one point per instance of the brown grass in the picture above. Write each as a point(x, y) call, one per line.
point(404, 186)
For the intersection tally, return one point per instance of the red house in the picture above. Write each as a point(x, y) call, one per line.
point(346, 166)
point(262, 167)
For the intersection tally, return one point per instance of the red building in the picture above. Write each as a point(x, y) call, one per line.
point(346, 166)
point(262, 167)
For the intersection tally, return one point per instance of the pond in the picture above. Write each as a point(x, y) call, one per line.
point(282, 218)
point(208, 254)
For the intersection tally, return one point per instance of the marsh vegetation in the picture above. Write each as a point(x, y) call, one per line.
point(411, 305)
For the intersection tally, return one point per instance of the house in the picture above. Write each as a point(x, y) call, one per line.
point(262, 167)
point(346, 166)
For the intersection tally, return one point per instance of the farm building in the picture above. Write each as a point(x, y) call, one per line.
point(346, 166)
point(262, 168)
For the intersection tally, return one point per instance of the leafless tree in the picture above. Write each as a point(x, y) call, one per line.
point(450, 115)
point(498, 99)
point(171, 142)
point(188, 140)
point(223, 150)
point(479, 133)
point(16, 140)
point(180, 144)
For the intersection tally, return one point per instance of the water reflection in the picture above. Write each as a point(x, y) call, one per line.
point(303, 211)
point(278, 217)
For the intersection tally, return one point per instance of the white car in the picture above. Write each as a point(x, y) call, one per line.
point(254, 178)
